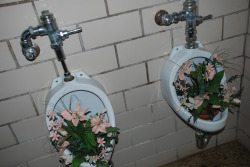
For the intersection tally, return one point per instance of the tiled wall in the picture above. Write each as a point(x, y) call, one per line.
point(123, 49)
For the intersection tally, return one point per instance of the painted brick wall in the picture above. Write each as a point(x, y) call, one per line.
point(123, 49)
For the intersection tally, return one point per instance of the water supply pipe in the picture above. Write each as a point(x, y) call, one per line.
point(48, 27)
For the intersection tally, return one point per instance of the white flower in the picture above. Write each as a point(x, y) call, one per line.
point(68, 159)
point(236, 101)
point(109, 134)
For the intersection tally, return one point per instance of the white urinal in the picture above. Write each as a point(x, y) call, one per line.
point(178, 56)
point(89, 93)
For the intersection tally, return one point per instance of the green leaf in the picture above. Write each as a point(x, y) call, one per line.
point(214, 99)
point(217, 79)
point(212, 89)
point(77, 161)
point(194, 74)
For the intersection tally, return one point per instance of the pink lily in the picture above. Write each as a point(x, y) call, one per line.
point(181, 74)
point(81, 113)
point(54, 136)
point(186, 68)
point(99, 128)
point(216, 106)
point(52, 125)
point(200, 101)
point(65, 144)
point(218, 58)
point(62, 132)
point(66, 115)
point(103, 152)
point(51, 115)
point(233, 91)
point(101, 142)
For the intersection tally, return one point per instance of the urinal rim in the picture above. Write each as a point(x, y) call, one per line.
point(208, 126)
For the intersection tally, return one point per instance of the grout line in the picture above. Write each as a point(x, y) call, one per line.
point(116, 55)
point(33, 104)
point(141, 21)
point(35, 10)
point(13, 133)
point(13, 54)
point(106, 7)
point(147, 72)
point(222, 28)
point(55, 68)
point(125, 102)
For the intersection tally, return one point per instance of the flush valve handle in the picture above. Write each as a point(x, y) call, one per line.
point(32, 52)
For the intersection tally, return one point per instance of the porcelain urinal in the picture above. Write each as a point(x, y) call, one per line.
point(178, 56)
point(89, 93)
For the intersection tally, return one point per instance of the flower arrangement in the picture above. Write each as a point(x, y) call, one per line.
point(200, 89)
point(88, 140)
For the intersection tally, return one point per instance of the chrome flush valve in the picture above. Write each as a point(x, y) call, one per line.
point(48, 27)
point(188, 14)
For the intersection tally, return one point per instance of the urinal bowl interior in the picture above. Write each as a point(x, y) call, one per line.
point(178, 56)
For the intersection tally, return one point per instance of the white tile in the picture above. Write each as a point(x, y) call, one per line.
point(244, 124)
point(143, 95)
point(117, 6)
point(134, 153)
point(144, 48)
point(243, 139)
point(148, 16)
point(221, 7)
point(25, 152)
point(48, 160)
point(154, 69)
point(134, 118)
point(210, 31)
point(235, 24)
point(233, 46)
point(124, 78)
point(39, 100)
point(154, 130)
point(7, 61)
point(176, 139)
point(111, 30)
point(7, 138)
point(162, 110)
point(117, 102)
point(179, 36)
point(30, 128)
point(158, 159)
point(26, 79)
point(91, 62)
point(124, 141)
point(15, 19)
point(226, 136)
point(69, 13)
point(70, 45)
point(16, 109)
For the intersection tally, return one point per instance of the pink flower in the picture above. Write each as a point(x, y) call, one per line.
point(216, 106)
point(233, 91)
point(75, 119)
point(106, 123)
point(210, 72)
point(218, 58)
point(99, 128)
point(60, 123)
point(52, 125)
point(225, 87)
point(95, 121)
point(51, 115)
point(101, 142)
point(186, 68)
point(81, 113)
point(65, 144)
point(200, 101)
point(66, 115)
point(103, 152)
point(181, 74)
point(62, 132)
point(54, 136)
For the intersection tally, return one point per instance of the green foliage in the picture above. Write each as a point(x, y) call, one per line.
point(77, 161)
